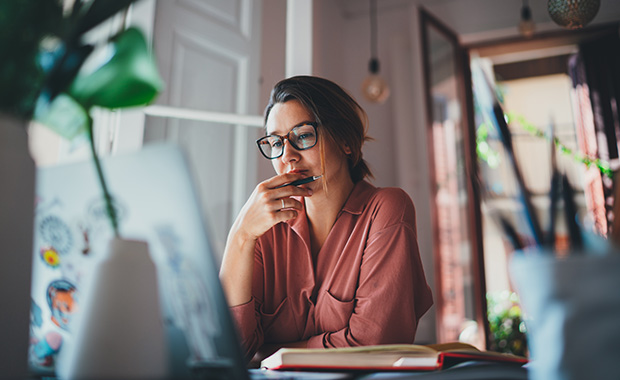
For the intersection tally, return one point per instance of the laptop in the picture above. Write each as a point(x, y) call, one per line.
point(156, 202)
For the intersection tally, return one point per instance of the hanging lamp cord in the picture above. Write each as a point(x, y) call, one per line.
point(526, 12)
point(373, 65)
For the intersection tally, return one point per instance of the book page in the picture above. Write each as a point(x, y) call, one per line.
point(391, 348)
point(452, 346)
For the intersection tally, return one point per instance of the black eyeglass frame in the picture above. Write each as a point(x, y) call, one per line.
point(282, 138)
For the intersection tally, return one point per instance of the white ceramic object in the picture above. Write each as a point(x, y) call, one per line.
point(572, 309)
point(17, 180)
point(119, 332)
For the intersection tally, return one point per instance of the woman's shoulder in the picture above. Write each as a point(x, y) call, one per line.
point(392, 194)
point(391, 204)
point(391, 197)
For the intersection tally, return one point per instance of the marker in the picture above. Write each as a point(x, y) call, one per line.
point(301, 181)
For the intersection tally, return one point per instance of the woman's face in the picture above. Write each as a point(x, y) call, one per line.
point(285, 116)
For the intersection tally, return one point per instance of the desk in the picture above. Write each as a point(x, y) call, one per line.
point(464, 371)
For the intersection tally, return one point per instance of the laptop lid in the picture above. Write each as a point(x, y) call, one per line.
point(155, 198)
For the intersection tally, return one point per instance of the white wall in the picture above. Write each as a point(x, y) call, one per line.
point(272, 64)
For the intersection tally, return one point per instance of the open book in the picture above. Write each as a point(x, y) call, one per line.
point(398, 357)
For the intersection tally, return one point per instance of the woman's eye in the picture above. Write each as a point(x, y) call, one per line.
point(276, 143)
point(306, 136)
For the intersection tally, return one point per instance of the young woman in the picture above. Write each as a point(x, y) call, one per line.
point(329, 263)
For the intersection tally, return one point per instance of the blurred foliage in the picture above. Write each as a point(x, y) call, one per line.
point(508, 332)
point(485, 152)
point(42, 47)
point(492, 157)
point(24, 24)
point(601, 165)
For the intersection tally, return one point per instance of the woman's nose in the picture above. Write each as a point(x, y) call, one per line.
point(289, 153)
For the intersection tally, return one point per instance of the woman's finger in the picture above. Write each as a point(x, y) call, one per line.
point(287, 203)
point(282, 179)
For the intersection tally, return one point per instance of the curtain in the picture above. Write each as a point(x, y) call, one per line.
point(595, 73)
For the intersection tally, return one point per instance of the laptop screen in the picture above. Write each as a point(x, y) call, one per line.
point(156, 202)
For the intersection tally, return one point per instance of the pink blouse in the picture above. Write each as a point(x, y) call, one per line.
point(366, 285)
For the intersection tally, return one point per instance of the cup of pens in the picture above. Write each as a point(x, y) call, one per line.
point(572, 307)
point(571, 301)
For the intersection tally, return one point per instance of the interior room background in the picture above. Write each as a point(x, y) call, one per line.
point(222, 57)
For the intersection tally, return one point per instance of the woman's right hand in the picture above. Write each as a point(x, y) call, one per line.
point(268, 205)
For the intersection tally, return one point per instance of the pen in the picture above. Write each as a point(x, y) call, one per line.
point(554, 191)
point(511, 233)
point(300, 181)
point(614, 236)
point(574, 231)
point(506, 139)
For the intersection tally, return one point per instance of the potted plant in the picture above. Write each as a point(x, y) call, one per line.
point(43, 51)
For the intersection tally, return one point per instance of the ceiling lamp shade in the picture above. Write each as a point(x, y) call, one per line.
point(573, 14)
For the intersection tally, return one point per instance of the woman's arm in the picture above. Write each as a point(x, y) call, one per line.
point(267, 350)
point(267, 206)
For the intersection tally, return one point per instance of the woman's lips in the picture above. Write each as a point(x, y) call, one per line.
point(297, 171)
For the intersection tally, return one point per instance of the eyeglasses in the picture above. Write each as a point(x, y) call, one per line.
point(301, 137)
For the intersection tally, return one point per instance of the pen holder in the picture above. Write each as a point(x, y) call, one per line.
point(572, 307)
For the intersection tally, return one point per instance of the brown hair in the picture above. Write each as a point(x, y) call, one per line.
point(339, 117)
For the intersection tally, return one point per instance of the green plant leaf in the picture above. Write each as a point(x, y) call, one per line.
point(63, 116)
point(97, 12)
point(65, 69)
point(130, 78)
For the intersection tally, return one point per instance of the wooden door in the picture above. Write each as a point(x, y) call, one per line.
point(459, 274)
point(208, 54)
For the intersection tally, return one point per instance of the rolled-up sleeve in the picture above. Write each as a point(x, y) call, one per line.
point(247, 327)
point(247, 315)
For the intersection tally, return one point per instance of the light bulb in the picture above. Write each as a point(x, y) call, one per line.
point(526, 25)
point(374, 88)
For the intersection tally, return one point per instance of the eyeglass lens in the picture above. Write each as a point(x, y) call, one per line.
point(301, 137)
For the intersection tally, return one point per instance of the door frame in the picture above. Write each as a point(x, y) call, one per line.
point(474, 215)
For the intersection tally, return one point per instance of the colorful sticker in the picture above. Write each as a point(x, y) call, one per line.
point(97, 210)
point(36, 318)
point(56, 233)
point(50, 256)
point(86, 240)
point(62, 300)
point(187, 295)
point(43, 351)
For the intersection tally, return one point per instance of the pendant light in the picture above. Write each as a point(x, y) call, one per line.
point(573, 14)
point(526, 25)
point(374, 88)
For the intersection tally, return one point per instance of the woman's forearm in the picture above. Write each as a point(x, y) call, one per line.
point(237, 267)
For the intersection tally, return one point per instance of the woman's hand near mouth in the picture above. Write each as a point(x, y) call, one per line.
point(270, 203)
